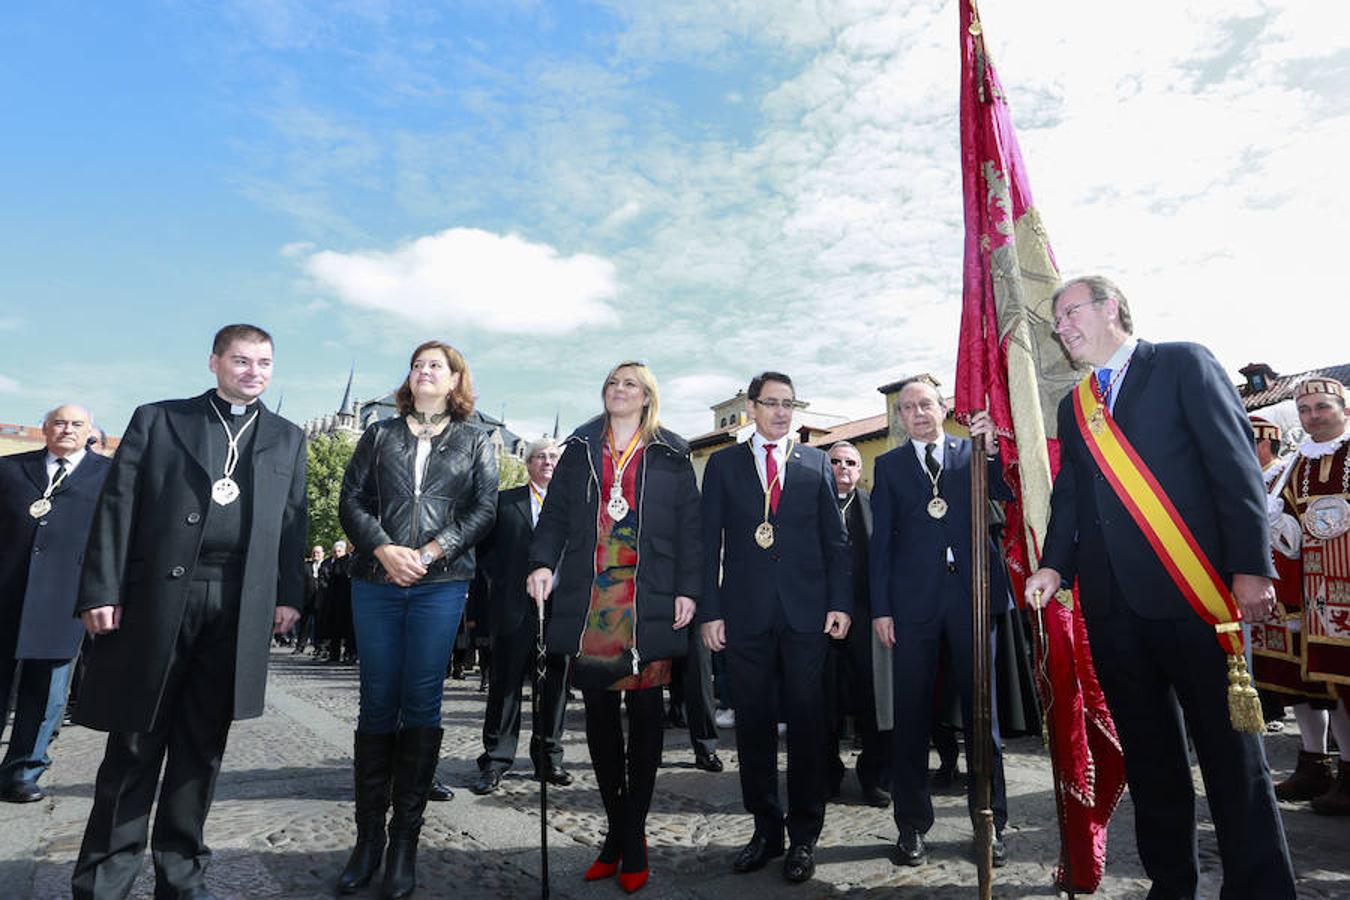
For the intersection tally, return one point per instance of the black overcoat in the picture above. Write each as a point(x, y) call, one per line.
point(669, 551)
point(145, 538)
point(40, 558)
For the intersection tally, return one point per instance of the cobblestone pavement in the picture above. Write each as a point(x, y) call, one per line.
point(281, 825)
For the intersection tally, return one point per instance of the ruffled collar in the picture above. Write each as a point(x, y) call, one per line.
point(1318, 449)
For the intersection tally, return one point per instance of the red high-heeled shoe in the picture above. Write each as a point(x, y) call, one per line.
point(600, 870)
point(632, 881)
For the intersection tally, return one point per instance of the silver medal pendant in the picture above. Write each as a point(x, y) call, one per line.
point(937, 507)
point(40, 507)
point(764, 535)
point(617, 508)
point(225, 491)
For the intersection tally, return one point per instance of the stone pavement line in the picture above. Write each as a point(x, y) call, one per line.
point(281, 826)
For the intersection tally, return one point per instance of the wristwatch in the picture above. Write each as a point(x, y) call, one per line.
point(427, 558)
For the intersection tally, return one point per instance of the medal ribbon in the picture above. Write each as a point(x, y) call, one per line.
point(232, 451)
point(55, 482)
point(620, 460)
point(781, 477)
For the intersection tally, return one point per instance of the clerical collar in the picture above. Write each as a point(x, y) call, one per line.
point(228, 408)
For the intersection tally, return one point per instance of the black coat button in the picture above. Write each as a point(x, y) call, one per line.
point(194, 517)
point(177, 572)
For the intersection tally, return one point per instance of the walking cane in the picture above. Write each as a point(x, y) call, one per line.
point(541, 664)
point(1048, 736)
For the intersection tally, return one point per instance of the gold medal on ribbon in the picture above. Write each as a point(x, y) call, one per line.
point(225, 491)
point(40, 507)
point(764, 535)
point(937, 507)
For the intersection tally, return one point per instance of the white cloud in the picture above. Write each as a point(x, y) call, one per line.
point(470, 277)
point(8, 385)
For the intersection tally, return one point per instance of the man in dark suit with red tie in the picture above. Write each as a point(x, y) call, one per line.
point(776, 589)
point(47, 501)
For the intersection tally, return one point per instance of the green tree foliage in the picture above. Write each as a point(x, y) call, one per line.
point(328, 456)
point(510, 471)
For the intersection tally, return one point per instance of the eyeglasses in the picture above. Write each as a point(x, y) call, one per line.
point(1072, 312)
point(775, 404)
point(847, 463)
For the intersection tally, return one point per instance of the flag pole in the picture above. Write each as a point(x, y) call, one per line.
point(541, 672)
point(981, 754)
point(1049, 738)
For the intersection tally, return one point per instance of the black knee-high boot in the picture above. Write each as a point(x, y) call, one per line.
point(372, 762)
point(415, 756)
point(604, 739)
point(645, 725)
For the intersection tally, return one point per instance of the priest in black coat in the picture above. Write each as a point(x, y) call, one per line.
point(195, 559)
point(46, 502)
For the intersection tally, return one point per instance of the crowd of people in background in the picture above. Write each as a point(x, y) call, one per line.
point(780, 599)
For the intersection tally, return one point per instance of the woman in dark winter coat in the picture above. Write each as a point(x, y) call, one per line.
point(620, 528)
point(419, 493)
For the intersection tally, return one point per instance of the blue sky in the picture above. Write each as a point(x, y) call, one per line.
point(714, 187)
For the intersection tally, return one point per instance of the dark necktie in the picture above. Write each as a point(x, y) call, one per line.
point(1104, 385)
point(60, 473)
point(930, 460)
point(771, 476)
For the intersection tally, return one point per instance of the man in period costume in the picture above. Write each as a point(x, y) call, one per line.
point(514, 627)
point(1158, 513)
point(921, 575)
point(860, 664)
point(46, 503)
point(1313, 521)
point(195, 559)
point(776, 589)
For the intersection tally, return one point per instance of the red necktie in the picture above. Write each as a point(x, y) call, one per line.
point(771, 476)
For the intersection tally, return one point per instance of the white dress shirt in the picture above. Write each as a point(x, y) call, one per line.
point(757, 443)
point(1118, 360)
point(537, 495)
point(72, 461)
point(939, 453)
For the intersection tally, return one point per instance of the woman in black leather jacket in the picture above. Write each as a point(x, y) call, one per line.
point(620, 526)
point(419, 493)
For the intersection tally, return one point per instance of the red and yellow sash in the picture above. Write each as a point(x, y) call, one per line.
point(1171, 539)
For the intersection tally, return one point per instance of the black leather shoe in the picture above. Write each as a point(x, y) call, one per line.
point(708, 762)
point(756, 854)
point(999, 852)
point(558, 777)
point(488, 781)
point(440, 791)
point(800, 864)
point(875, 796)
point(910, 849)
point(22, 792)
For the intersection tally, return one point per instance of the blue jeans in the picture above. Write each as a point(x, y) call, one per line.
point(37, 713)
point(405, 636)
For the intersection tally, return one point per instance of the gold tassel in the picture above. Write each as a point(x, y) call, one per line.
point(1244, 706)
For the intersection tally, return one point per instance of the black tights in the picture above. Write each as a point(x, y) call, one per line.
point(626, 777)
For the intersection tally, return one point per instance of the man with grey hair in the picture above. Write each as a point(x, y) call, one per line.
point(1159, 515)
point(47, 501)
point(514, 629)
